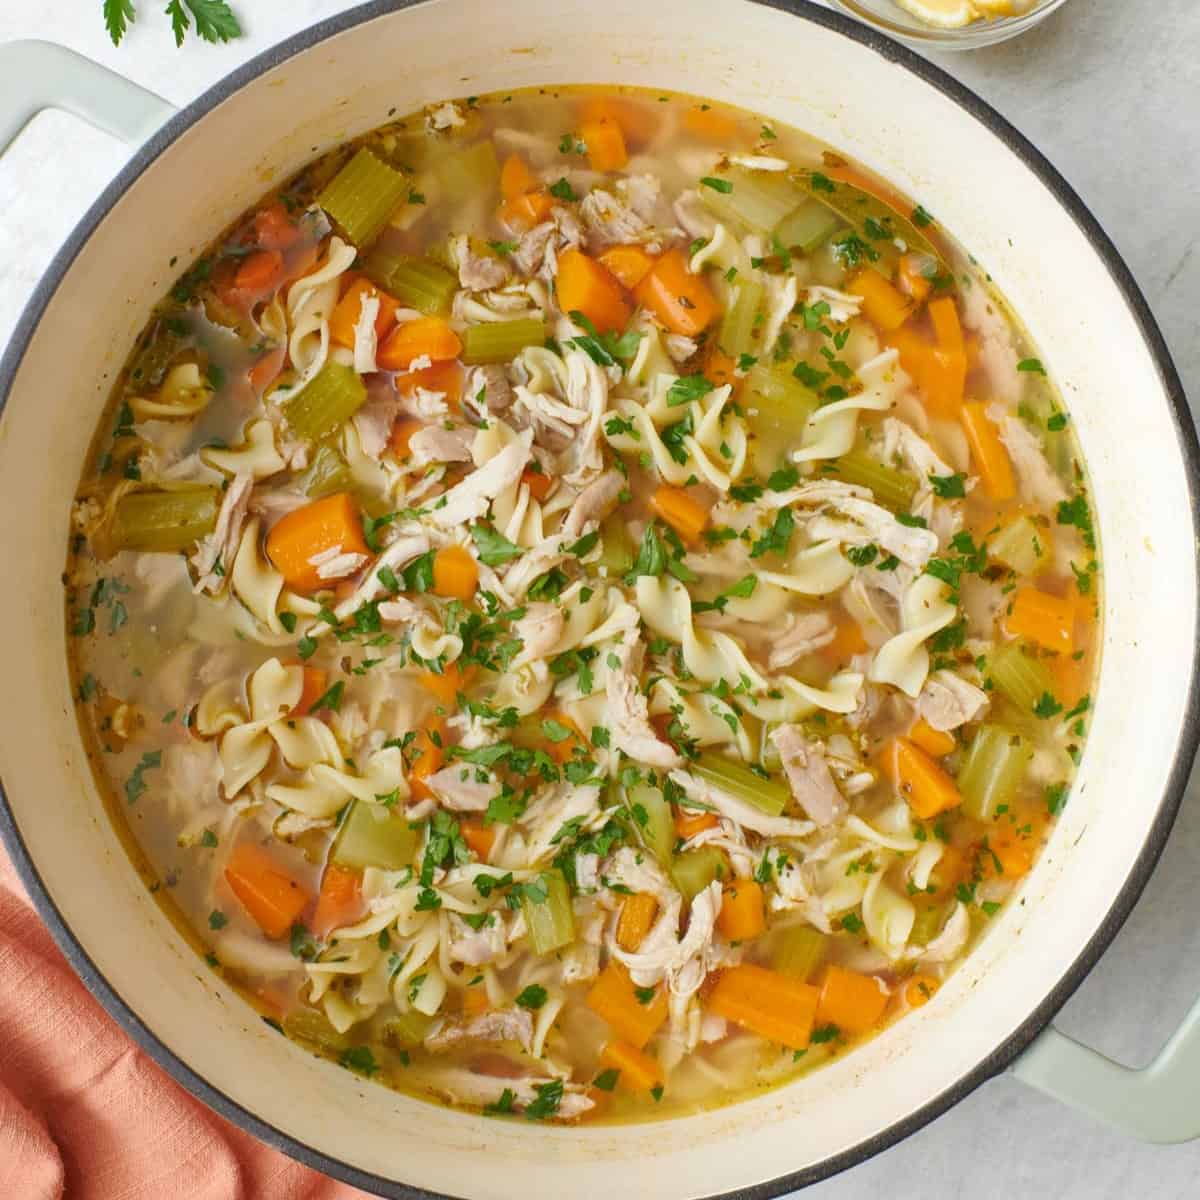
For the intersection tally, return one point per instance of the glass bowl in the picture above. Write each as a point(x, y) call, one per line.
point(904, 27)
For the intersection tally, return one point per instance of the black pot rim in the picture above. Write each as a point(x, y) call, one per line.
point(1186, 745)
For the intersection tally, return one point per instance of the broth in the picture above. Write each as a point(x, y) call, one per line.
point(584, 604)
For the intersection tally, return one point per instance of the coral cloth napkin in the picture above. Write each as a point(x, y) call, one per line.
point(85, 1115)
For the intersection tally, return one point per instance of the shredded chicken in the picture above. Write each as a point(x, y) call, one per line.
point(948, 944)
point(901, 441)
point(948, 701)
point(479, 272)
point(808, 775)
point(804, 633)
point(539, 630)
point(434, 444)
point(502, 1025)
point(1038, 481)
point(609, 222)
point(373, 422)
point(475, 946)
point(629, 714)
point(487, 390)
point(469, 499)
point(594, 503)
point(457, 788)
point(637, 871)
point(214, 556)
point(460, 1085)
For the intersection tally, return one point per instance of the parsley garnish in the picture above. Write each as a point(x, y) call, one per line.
point(359, 1059)
point(494, 549)
point(532, 997)
point(723, 186)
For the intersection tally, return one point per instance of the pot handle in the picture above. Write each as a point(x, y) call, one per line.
point(35, 75)
point(1157, 1103)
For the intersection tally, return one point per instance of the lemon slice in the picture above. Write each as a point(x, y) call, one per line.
point(998, 8)
point(945, 14)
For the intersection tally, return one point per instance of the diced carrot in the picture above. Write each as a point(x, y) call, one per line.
point(847, 641)
point(445, 377)
point(539, 483)
point(316, 682)
point(274, 228)
point(263, 372)
point(260, 271)
point(339, 902)
point(919, 990)
point(429, 337)
point(690, 821)
point(585, 286)
point(935, 742)
point(475, 1001)
point(447, 683)
point(743, 910)
point(1040, 617)
point(685, 515)
point(988, 453)
point(637, 1071)
point(709, 123)
point(563, 751)
point(523, 212)
point(948, 871)
point(940, 375)
point(455, 573)
point(851, 1001)
point(480, 837)
point(911, 277)
point(628, 264)
point(769, 1003)
point(1072, 677)
point(926, 787)
point(1008, 855)
point(427, 756)
point(516, 178)
point(683, 302)
point(267, 892)
point(306, 532)
point(614, 998)
point(637, 916)
point(719, 368)
point(882, 303)
point(402, 433)
point(947, 328)
point(605, 144)
point(348, 309)
point(637, 122)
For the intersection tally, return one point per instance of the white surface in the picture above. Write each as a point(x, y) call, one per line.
point(1107, 98)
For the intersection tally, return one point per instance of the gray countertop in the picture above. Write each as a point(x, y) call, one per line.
point(1110, 91)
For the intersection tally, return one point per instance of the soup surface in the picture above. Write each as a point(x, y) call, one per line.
point(586, 604)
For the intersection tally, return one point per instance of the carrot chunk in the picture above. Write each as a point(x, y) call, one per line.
point(585, 286)
point(480, 837)
point(919, 990)
point(637, 1071)
point(447, 683)
point(516, 178)
point(523, 212)
point(704, 121)
point(629, 264)
point(267, 892)
point(427, 756)
point(429, 337)
point(926, 787)
point(564, 749)
point(259, 272)
point(296, 539)
point(605, 144)
point(614, 997)
point(455, 573)
point(637, 915)
point(683, 302)
point(769, 1003)
point(316, 682)
point(274, 228)
point(402, 434)
point(339, 902)
point(1039, 617)
point(912, 278)
point(847, 641)
point(685, 515)
point(445, 377)
point(851, 1001)
point(348, 309)
point(987, 452)
point(743, 911)
point(719, 367)
point(539, 483)
point(689, 822)
point(475, 1001)
point(887, 306)
point(935, 742)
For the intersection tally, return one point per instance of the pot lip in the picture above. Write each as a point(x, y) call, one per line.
point(1186, 745)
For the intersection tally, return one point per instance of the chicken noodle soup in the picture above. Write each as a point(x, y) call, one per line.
point(586, 603)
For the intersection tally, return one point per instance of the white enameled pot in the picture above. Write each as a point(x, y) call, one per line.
point(874, 101)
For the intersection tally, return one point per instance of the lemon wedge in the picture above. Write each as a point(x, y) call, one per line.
point(944, 14)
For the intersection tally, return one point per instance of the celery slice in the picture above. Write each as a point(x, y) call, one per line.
point(892, 488)
point(1021, 677)
point(928, 923)
point(1020, 546)
point(776, 401)
point(799, 950)
point(807, 227)
point(415, 282)
point(993, 770)
point(653, 819)
point(694, 870)
point(164, 521)
point(738, 329)
point(371, 835)
point(616, 546)
point(500, 341)
point(467, 173)
point(312, 1026)
point(327, 473)
point(406, 1029)
point(550, 921)
point(326, 402)
point(759, 199)
point(362, 196)
point(767, 795)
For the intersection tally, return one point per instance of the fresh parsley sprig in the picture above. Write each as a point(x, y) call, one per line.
point(214, 19)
